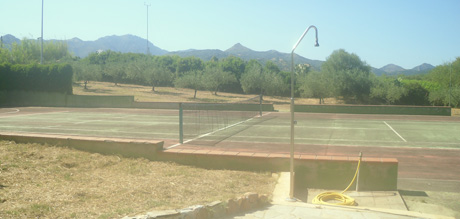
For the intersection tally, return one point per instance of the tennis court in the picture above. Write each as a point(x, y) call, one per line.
point(427, 147)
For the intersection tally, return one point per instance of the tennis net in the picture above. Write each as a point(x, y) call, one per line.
point(210, 123)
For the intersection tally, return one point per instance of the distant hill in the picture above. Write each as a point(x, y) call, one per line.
point(392, 69)
point(80, 48)
point(8, 40)
point(135, 44)
point(205, 54)
point(124, 44)
point(283, 60)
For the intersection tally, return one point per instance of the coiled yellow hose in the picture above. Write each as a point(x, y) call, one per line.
point(341, 198)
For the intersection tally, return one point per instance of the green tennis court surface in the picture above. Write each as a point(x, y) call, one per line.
point(272, 128)
point(427, 147)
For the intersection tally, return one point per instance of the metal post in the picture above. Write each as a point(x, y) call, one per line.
point(291, 191)
point(450, 85)
point(357, 175)
point(181, 124)
point(260, 105)
point(148, 49)
point(41, 53)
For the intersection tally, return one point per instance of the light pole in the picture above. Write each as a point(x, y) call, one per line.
point(148, 49)
point(291, 191)
point(41, 39)
point(450, 84)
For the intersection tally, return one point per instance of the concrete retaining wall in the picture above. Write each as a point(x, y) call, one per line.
point(156, 105)
point(323, 172)
point(326, 172)
point(28, 98)
point(109, 146)
point(375, 109)
point(99, 101)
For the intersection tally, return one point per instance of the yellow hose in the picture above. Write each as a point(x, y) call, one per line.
point(342, 199)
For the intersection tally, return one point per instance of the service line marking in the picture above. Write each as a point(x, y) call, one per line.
point(392, 129)
point(14, 111)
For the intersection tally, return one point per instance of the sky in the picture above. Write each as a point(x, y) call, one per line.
point(406, 33)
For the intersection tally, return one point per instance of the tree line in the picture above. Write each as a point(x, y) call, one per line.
point(343, 75)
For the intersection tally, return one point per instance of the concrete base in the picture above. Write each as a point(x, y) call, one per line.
point(373, 199)
point(371, 204)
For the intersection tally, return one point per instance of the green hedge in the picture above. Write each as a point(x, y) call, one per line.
point(376, 109)
point(34, 77)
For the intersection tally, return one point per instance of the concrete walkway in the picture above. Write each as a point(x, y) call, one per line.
point(371, 205)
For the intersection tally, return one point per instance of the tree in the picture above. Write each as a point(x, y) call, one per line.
point(136, 70)
point(251, 80)
point(262, 80)
point(157, 75)
point(215, 78)
point(86, 72)
point(192, 79)
point(447, 76)
point(29, 51)
point(387, 90)
point(188, 64)
point(315, 85)
point(302, 69)
point(4, 55)
point(234, 65)
point(350, 75)
point(116, 70)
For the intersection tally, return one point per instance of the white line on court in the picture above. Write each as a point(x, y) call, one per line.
point(83, 122)
point(31, 114)
point(389, 126)
point(422, 179)
point(14, 111)
point(87, 130)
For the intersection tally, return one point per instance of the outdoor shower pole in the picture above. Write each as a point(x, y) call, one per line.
point(291, 190)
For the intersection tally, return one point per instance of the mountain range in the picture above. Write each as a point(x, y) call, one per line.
point(135, 44)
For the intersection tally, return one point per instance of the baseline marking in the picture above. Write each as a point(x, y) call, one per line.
point(14, 111)
point(32, 114)
point(392, 129)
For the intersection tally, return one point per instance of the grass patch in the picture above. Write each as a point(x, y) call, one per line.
point(56, 182)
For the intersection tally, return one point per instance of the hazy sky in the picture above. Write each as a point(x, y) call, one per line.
point(403, 32)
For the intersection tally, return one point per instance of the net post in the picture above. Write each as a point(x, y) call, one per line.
point(260, 105)
point(181, 124)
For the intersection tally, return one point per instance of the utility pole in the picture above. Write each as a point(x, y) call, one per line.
point(450, 84)
point(148, 49)
point(41, 38)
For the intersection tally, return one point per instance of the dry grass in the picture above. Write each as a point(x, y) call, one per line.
point(170, 94)
point(56, 182)
point(161, 94)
